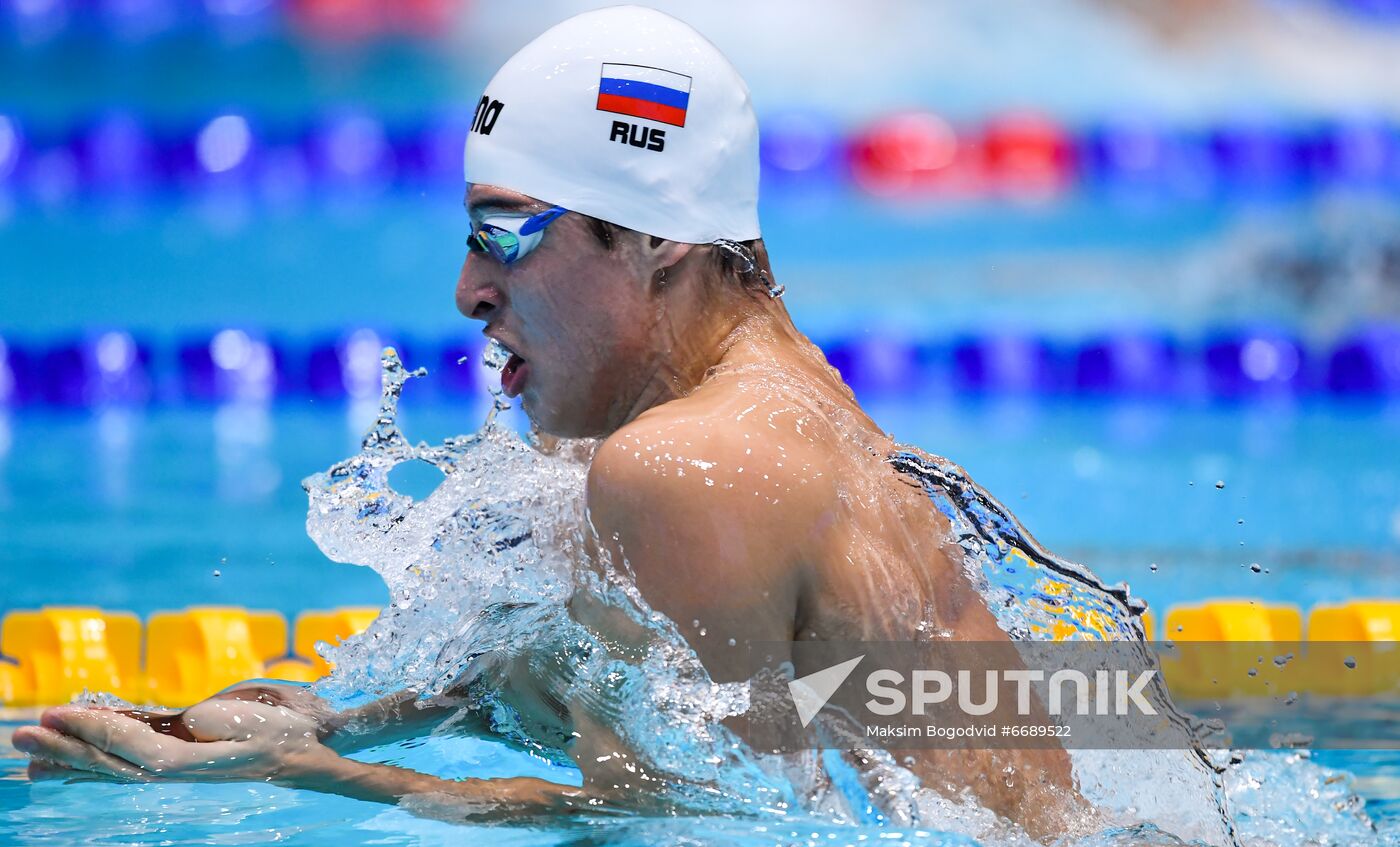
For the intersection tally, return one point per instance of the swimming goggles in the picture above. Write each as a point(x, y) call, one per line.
point(509, 238)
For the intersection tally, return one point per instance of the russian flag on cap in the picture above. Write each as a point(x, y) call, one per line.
point(642, 92)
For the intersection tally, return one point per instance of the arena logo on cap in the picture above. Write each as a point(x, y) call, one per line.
point(641, 92)
point(487, 111)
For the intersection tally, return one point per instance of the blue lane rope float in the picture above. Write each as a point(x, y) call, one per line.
point(114, 367)
point(124, 25)
point(903, 155)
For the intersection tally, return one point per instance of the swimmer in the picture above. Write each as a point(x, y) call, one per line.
point(615, 251)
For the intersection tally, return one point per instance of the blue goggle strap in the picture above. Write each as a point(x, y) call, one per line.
point(535, 223)
point(524, 233)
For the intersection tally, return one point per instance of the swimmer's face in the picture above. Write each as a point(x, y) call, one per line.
point(580, 315)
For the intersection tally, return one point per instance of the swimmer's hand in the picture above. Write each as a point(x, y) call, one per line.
point(218, 739)
point(269, 734)
point(247, 739)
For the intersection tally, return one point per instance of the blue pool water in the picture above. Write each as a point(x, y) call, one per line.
point(151, 504)
point(58, 813)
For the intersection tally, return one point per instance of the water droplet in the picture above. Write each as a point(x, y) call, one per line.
point(1255, 567)
point(1153, 567)
point(1240, 522)
point(1350, 662)
point(732, 642)
point(1220, 483)
point(463, 360)
point(217, 572)
point(495, 356)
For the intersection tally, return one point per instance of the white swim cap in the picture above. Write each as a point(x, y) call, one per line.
point(628, 115)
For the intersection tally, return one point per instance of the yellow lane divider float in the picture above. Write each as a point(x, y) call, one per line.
point(59, 651)
point(1219, 656)
point(1231, 648)
point(1354, 650)
point(329, 626)
point(53, 654)
point(50, 655)
point(193, 653)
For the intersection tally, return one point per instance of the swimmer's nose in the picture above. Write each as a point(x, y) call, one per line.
point(482, 310)
point(477, 297)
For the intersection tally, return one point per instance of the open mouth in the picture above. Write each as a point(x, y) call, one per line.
point(513, 375)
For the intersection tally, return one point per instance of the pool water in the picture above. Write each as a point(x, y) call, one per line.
point(59, 812)
point(155, 507)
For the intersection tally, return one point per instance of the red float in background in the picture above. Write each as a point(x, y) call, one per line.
point(355, 20)
point(1027, 156)
point(913, 153)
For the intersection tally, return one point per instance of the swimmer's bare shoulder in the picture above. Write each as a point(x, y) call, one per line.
point(726, 514)
point(717, 504)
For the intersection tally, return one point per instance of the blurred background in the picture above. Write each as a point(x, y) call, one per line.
point(1134, 264)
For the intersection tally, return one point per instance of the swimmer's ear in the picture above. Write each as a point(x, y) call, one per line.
point(663, 256)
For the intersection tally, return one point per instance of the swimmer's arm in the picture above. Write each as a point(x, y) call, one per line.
point(395, 717)
point(259, 741)
point(476, 799)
